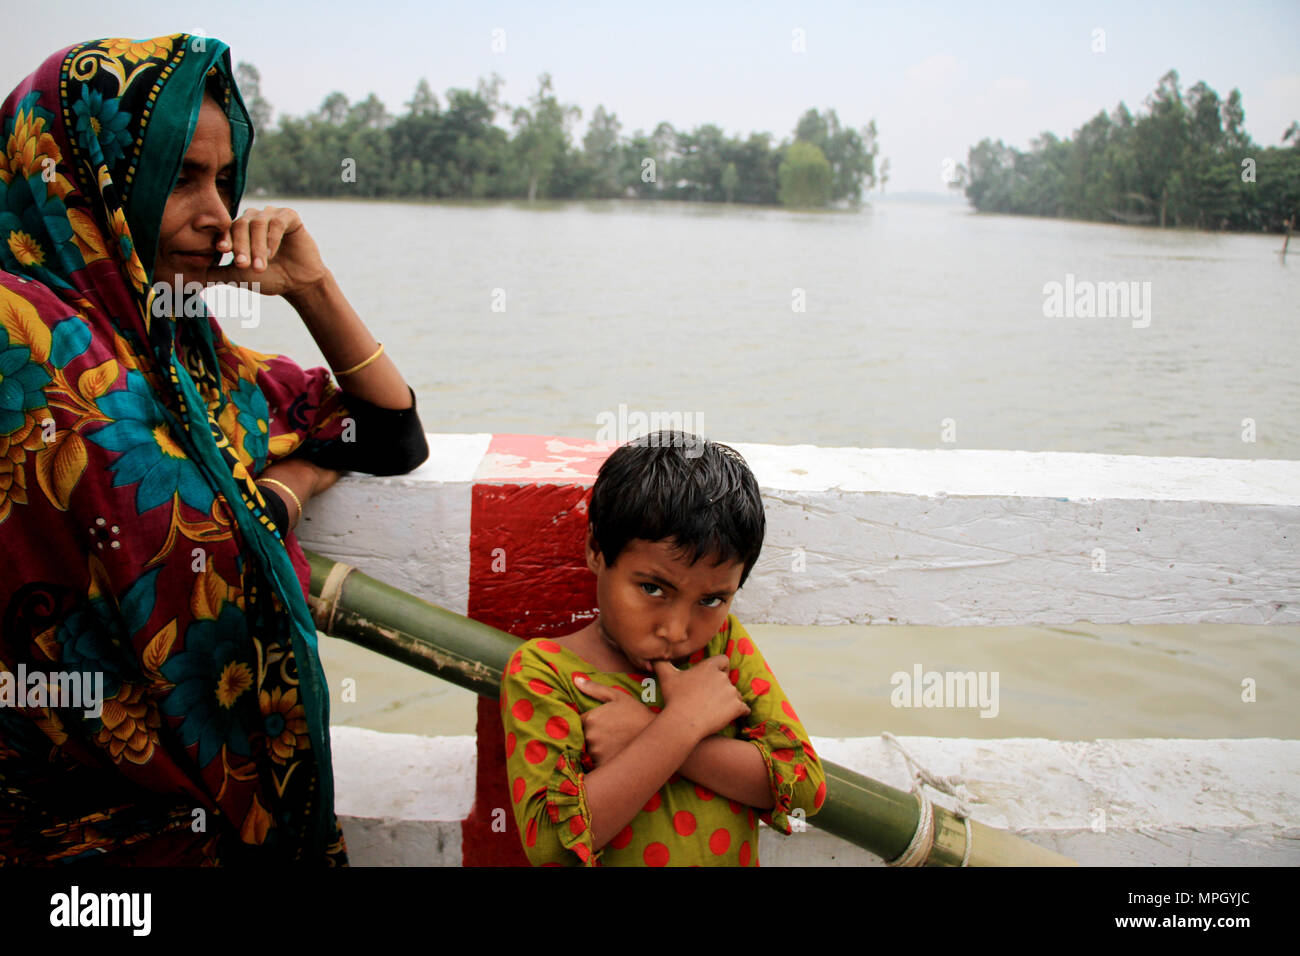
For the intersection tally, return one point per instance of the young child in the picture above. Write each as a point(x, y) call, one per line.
point(657, 735)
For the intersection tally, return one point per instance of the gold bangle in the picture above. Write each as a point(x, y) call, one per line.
point(358, 367)
point(288, 490)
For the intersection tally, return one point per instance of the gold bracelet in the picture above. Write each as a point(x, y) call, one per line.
point(288, 490)
point(358, 367)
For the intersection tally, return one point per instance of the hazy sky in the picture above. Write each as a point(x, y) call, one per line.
point(936, 78)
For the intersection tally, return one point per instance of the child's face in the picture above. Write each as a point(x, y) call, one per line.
point(655, 605)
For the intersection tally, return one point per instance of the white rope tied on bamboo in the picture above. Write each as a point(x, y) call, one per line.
point(918, 850)
point(326, 606)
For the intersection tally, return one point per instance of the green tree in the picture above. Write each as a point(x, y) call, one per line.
point(603, 155)
point(730, 180)
point(851, 153)
point(805, 176)
point(541, 136)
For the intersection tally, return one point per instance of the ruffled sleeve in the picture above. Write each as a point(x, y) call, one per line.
point(794, 773)
point(544, 744)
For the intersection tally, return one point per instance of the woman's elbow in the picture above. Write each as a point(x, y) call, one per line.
point(409, 456)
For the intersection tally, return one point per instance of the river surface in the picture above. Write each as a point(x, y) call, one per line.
point(910, 325)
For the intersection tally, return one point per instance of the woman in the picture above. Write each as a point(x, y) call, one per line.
point(151, 472)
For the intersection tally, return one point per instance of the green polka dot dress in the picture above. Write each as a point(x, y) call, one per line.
point(684, 823)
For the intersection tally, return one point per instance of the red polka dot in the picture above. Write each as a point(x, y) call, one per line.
point(580, 674)
point(684, 822)
point(549, 647)
point(745, 646)
point(783, 754)
point(697, 656)
point(516, 664)
point(656, 854)
point(734, 676)
point(582, 851)
point(623, 839)
point(539, 687)
point(569, 787)
point(704, 793)
point(789, 711)
point(652, 804)
point(731, 646)
point(530, 833)
point(560, 762)
point(735, 807)
point(534, 751)
point(808, 748)
point(800, 772)
point(759, 686)
point(518, 791)
point(749, 815)
point(787, 731)
point(720, 842)
point(523, 710)
point(510, 744)
point(744, 853)
point(577, 825)
point(557, 727)
point(723, 629)
point(820, 796)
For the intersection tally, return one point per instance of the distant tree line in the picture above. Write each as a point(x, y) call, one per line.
point(1186, 161)
point(456, 150)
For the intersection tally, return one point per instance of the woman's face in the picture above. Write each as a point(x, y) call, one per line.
point(197, 214)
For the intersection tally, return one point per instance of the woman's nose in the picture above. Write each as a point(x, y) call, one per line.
point(213, 213)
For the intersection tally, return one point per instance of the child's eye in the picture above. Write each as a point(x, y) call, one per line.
point(653, 590)
point(711, 602)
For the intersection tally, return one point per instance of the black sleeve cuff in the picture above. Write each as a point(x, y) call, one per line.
point(385, 441)
point(276, 508)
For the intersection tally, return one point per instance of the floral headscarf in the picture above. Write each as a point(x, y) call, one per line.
point(134, 546)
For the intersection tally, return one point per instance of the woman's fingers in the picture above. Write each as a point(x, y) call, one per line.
point(275, 231)
point(257, 226)
point(239, 242)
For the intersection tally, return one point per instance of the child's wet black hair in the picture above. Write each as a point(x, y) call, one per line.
point(670, 484)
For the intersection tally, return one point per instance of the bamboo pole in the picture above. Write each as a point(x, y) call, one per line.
point(882, 819)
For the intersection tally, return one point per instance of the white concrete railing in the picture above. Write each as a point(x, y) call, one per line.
point(401, 798)
point(908, 537)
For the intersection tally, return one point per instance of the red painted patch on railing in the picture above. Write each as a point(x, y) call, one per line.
point(527, 575)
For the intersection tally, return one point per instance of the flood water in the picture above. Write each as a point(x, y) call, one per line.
point(899, 326)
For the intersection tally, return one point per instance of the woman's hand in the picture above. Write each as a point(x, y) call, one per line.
point(304, 478)
point(702, 695)
point(614, 724)
point(273, 248)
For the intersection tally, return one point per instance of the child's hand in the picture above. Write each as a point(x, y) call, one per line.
point(614, 724)
point(702, 695)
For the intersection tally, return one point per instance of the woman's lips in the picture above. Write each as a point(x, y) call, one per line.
point(197, 258)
